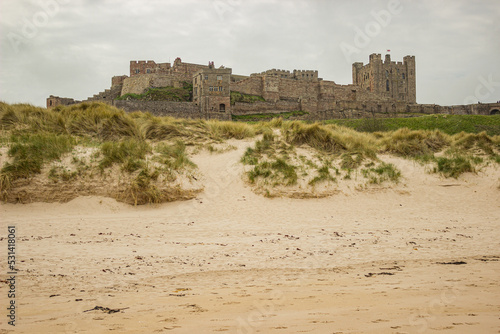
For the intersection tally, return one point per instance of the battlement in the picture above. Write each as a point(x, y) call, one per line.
point(374, 57)
point(54, 101)
point(118, 80)
point(310, 75)
point(379, 81)
point(409, 60)
point(147, 67)
point(305, 75)
point(391, 79)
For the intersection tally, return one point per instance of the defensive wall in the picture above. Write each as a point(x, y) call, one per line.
point(169, 108)
point(379, 89)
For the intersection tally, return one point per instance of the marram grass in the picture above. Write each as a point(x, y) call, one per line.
point(36, 136)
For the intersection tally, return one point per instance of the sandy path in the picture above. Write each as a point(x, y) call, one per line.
point(232, 261)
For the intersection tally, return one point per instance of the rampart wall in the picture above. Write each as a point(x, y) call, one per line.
point(168, 108)
point(259, 107)
point(138, 84)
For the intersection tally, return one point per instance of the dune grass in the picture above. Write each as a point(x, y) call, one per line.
point(36, 136)
point(323, 175)
point(383, 172)
point(174, 156)
point(455, 166)
point(131, 153)
point(448, 124)
point(30, 152)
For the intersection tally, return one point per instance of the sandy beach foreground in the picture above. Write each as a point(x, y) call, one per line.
point(419, 257)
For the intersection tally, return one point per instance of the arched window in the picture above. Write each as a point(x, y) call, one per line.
point(387, 85)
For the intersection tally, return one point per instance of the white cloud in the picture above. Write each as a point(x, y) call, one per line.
point(82, 43)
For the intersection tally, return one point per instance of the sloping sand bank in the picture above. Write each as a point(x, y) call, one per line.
point(420, 257)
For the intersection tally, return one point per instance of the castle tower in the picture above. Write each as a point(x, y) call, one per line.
point(411, 82)
point(388, 79)
point(211, 89)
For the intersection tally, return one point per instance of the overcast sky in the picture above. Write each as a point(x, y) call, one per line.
point(73, 48)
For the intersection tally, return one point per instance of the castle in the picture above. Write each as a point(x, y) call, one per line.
point(379, 89)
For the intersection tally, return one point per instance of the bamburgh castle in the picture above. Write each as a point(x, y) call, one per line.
point(381, 88)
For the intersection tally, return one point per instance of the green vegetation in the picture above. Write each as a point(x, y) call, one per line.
point(407, 143)
point(259, 117)
point(449, 124)
point(143, 155)
point(227, 130)
point(174, 156)
point(130, 153)
point(278, 170)
point(383, 172)
point(246, 98)
point(351, 160)
point(30, 152)
point(323, 175)
point(163, 94)
point(455, 165)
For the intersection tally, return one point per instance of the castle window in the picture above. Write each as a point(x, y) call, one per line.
point(219, 77)
point(403, 76)
point(137, 71)
point(222, 107)
point(220, 88)
point(211, 88)
point(148, 71)
point(195, 81)
point(386, 74)
point(195, 90)
point(206, 77)
point(387, 85)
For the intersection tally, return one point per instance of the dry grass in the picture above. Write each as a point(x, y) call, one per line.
point(36, 136)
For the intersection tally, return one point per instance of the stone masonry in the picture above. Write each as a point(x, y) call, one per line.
point(379, 89)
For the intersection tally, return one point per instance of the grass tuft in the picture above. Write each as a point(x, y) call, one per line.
point(454, 166)
point(30, 152)
point(129, 152)
point(381, 173)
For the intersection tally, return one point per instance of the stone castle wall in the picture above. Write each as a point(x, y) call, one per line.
point(139, 84)
point(168, 108)
point(54, 101)
point(260, 107)
point(390, 79)
point(379, 89)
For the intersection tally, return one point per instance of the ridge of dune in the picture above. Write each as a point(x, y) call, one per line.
point(379, 260)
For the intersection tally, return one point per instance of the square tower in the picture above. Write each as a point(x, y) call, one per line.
point(387, 79)
point(211, 89)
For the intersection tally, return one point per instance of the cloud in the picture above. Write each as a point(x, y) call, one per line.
point(75, 47)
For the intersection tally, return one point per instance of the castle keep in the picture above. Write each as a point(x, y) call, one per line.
point(389, 79)
point(379, 89)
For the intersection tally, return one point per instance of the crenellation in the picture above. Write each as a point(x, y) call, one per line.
point(380, 88)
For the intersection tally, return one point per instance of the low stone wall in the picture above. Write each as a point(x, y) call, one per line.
point(260, 107)
point(168, 108)
point(160, 108)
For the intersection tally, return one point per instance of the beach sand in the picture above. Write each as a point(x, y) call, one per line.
point(419, 257)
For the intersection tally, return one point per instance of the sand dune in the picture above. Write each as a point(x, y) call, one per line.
point(418, 257)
